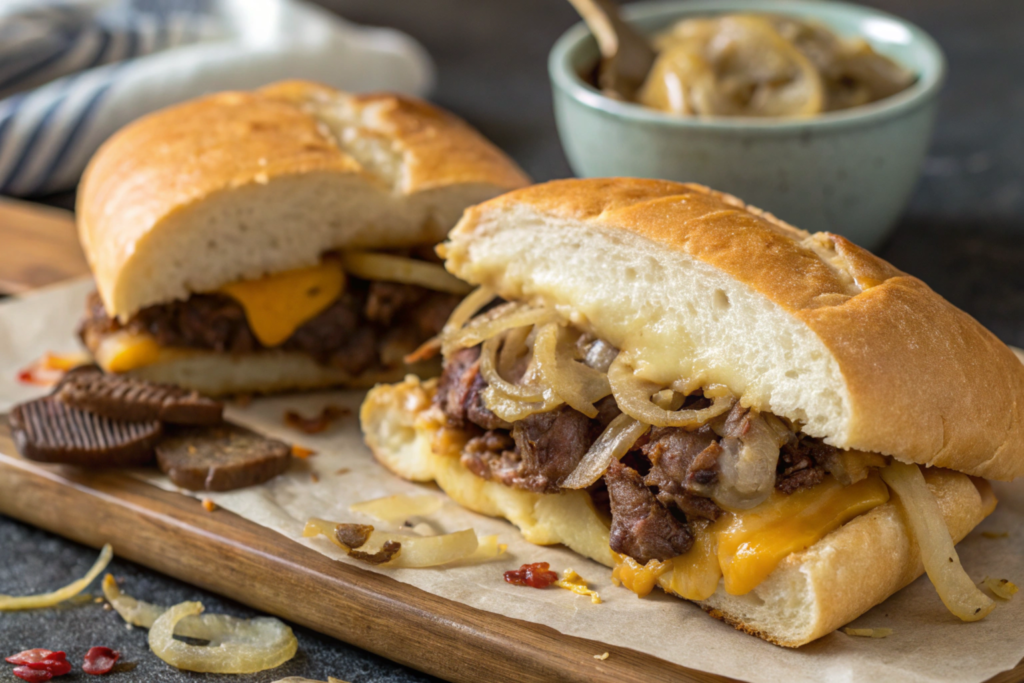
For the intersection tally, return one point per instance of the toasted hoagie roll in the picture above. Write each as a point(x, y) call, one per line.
point(776, 425)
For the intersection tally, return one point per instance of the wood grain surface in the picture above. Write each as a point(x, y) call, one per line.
point(38, 246)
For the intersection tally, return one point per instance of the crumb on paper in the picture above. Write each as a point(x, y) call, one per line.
point(995, 534)
point(317, 423)
point(343, 470)
point(602, 656)
point(868, 632)
point(302, 453)
point(1003, 589)
point(209, 505)
point(571, 581)
point(314, 477)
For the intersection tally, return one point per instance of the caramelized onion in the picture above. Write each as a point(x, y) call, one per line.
point(237, 646)
point(415, 551)
point(747, 464)
point(494, 322)
point(513, 409)
point(467, 308)
point(409, 271)
point(13, 603)
point(489, 370)
point(398, 508)
point(633, 395)
point(614, 442)
point(924, 518)
point(575, 383)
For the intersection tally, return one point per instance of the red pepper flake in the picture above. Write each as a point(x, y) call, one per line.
point(33, 656)
point(302, 453)
point(100, 660)
point(32, 675)
point(537, 575)
point(317, 423)
point(39, 664)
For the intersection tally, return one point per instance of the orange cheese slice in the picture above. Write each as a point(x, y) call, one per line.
point(278, 304)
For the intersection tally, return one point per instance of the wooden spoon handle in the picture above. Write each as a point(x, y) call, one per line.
point(626, 55)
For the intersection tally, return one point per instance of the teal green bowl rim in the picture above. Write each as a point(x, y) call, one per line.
point(930, 79)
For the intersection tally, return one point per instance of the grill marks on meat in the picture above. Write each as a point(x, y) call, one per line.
point(352, 334)
point(642, 527)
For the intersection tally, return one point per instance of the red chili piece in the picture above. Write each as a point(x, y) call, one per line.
point(32, 675)
point(537, 575)
point(32, 656)
point(100, 660)
point(40, 664)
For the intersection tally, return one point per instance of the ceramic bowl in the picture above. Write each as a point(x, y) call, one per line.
point(849, 172)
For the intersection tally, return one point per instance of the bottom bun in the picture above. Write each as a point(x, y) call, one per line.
point(218, 374)
point(810, 593)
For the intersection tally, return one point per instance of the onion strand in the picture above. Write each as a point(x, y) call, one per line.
point(409, 271)
point(938, 554)
point(12, 603)
point(615, 441)
point(633, 396)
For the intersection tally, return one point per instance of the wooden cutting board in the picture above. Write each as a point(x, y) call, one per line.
point(225, 554)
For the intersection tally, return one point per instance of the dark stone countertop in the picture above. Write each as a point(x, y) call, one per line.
point(963, 234)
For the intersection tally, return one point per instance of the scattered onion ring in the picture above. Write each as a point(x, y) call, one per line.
point(921, 510)
point(577, 384)
point(398, 508)
point(237, 646)
point(145, 614)
point(13, 603)
point(617, 438)
point(633, 396)
point(409, 271)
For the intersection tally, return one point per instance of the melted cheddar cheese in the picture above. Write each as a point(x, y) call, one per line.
point(278, 304)
point(744, 547)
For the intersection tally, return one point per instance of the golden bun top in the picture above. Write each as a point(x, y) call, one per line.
point(691, 281)
point(233, 157)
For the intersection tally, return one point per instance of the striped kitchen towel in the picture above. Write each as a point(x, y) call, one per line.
point(73, 72)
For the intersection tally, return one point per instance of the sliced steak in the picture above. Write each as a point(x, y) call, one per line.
point(48, 430)
point(802, 464)
point(642, 527)
point(459, 392)
point(220, 458)
point(124, 398)
point(678, 459)
point(551, 445)
point(348, 334)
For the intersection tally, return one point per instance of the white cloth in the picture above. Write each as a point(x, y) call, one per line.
point(72, 73)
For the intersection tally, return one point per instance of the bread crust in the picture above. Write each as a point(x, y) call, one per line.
point(843, 575)
point(176, 158)
point(926, 382)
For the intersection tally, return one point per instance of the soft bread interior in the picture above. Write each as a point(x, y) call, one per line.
point(809, 594)
point(677, 316)
point(287, 222)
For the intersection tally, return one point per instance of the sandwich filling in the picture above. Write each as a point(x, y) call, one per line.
point(359, 313)
point(695, 486)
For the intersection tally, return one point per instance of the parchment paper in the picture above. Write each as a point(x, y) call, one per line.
point(928, 644)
